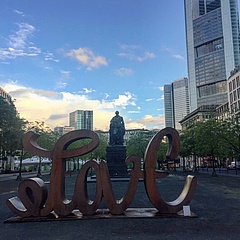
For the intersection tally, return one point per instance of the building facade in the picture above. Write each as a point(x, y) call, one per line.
point(131, 133)
point(200, 114)
point(5, 95)
point(212, 33)
point(234, 92)
point(63, 130)
point(168, 105)
point(176, 102)
point(81, 119)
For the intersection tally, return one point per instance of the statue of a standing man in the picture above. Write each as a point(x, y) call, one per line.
point(117, 130)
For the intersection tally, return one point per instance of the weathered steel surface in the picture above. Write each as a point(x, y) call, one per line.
point(119, 206)
point(150, 177)
point(32, 196)
point(35, 201)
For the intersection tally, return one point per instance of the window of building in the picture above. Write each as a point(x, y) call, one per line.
point(234, 95)
point(237, 79)
point(231, 98)
point(209, 47)
point(212, 5)
point(234, 83)
point(230, 86)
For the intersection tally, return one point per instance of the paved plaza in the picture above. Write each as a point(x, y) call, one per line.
point(216, 204)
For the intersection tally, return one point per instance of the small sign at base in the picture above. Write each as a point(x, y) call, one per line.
point(186, 211)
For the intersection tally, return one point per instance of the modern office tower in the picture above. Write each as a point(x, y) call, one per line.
point(180, 100)
point(88, 120)
point(168, 105)
point(81, 119)
point(212, 32)
point(176, 102)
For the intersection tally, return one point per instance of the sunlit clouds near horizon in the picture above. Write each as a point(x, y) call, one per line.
point(58, 59)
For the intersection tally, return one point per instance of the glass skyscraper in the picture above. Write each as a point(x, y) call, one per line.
point(212, 32)
point(168, 105)
point(81, 119)
point(176, 102)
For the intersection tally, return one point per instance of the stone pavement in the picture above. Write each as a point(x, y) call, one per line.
point(216, 204)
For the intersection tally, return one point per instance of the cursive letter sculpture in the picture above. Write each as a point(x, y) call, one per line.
point(35, 200)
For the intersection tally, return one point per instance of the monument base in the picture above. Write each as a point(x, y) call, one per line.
point(101, 214)
point(116, 156)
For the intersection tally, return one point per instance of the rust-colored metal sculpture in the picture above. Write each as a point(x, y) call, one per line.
point(35, 201)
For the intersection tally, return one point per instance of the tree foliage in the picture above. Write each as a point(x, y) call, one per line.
point(47, 138)
point(214, 138)
point(138, 142)
point(229, 131)
point(11, 127)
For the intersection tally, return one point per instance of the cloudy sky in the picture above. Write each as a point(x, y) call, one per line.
point(60, 56)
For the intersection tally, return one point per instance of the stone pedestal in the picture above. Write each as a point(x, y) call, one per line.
point(116, 156)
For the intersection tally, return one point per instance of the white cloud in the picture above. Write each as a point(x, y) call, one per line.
point(161, 98)
point(134, 52)
point(61, 84)
point(86, 90)
point(87, 58)
point(133, 111)
point(50, 57)
point(149, 99)
point(65, 74)
point(178, 56)
point(124, 71)
point(19, 12)
point(122, 101)
point(161, 88)
point(19, 44)
point(133, 56)
point(53, 108)
point(173, 53)
point(19, 40)
point(147, 122)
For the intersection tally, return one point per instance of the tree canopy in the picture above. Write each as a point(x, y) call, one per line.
point(11, 128)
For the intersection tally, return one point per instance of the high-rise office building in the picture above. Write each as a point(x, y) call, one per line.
point(176, 102)
point(180, 100)
point(81, 119)
point(88, 120)
point(212, 32)
point(168, 105)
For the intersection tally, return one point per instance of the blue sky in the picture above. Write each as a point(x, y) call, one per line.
point(60, 56)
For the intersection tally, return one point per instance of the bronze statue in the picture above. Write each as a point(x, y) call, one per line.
point(117, 130)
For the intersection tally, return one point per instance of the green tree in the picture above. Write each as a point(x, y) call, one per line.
point(185, 150)
point(138, 142)
point(229, 131)
point(47, 138)
point(100, 151)
point(208, 141)
point(11, 128)
point(188, 145)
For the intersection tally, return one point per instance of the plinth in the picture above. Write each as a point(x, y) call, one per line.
point(116, 156)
